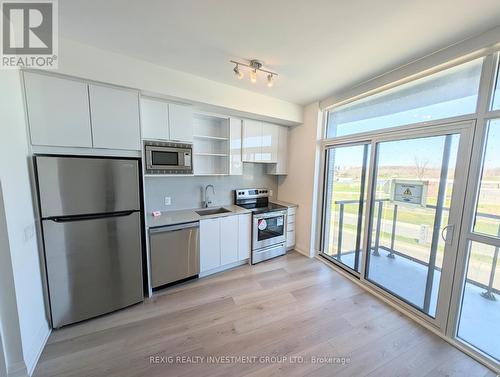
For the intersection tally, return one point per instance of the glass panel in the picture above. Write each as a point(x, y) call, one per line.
point(270, 227)
point(444, 94)
point(479, 322)
point(496, 94)
point(412, 194)
point(165, 158)
point(345, 199)
point(487, 220)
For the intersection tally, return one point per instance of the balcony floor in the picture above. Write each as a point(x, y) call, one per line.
point(480, 320)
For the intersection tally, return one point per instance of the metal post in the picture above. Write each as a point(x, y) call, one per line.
point(437, 222)
point(377, 232)
point(393, 233)
point(488, 294)
point(341, 226)
point(360, 207)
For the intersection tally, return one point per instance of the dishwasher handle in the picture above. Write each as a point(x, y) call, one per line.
point(170, 228)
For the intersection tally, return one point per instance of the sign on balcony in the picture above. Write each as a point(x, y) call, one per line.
point(409, 192)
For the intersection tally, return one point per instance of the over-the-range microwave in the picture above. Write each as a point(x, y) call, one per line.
point(162, 157)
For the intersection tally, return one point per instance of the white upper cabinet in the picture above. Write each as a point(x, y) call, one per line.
point(269, 150)
point(180, 119)
point(251, 140)
point(166, 121)
point(281, 167)
point(235, 162)
point(228, 239)
point(115, 118)
point(154, 119)
point(261, 143)
point(58, 111)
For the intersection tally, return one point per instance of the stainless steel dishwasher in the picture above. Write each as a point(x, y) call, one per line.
point(175, 253)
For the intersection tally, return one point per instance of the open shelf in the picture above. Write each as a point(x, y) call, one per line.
point(214, 138)
point(211, 145)
point(212, 154)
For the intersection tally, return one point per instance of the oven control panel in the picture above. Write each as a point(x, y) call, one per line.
point(251, 193)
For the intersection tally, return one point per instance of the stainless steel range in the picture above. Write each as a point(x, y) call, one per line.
point(268, 223)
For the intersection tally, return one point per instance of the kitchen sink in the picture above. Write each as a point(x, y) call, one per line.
point(212, 211)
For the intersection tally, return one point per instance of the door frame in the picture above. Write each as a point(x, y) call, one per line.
point(324, 182)
point(466, 130)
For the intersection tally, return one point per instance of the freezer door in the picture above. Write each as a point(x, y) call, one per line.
point(78, 185)
point(94, 266)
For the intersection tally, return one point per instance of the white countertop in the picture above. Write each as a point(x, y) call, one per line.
point(189, 215)
point(284, 204)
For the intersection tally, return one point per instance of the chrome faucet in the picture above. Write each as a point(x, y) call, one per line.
point(207, 201)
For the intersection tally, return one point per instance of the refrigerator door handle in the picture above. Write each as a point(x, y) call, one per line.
point(67, 219)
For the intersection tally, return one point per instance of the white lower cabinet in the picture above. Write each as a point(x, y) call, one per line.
point(229, 240)
point(209, 244)
point(224, 241)
point(244, 236)
point(290, 228)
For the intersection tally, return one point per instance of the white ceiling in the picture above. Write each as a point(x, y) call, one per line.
point(318, 47)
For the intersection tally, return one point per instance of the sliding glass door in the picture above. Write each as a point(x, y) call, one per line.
point(345, 198)
point(416, 209)
point(392, 212)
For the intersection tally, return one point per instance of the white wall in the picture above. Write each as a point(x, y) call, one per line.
point(88, 62)
point(300, 185)
point(20, 219)
point(12, 351)
point(3, 364)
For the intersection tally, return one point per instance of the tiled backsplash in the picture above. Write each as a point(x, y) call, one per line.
point(188, 192)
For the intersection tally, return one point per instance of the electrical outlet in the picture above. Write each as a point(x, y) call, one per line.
point(168, 200)
point(270, 192)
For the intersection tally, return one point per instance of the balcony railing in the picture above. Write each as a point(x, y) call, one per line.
point(489, 290)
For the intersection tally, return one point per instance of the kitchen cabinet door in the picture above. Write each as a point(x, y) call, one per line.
point(252, 140)
point(269, 150)
point(235, 163)
point(58, 111)
point(209, 244)
point(115, 118)
point(281, 168)
point(180, 119)
point(244, 236)
point(154, 119)
point(229, 239)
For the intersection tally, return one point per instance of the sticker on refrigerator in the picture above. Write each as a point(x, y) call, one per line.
point(262, 224)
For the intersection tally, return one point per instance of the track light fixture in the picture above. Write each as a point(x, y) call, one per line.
point(270, 81)
point(254, 66)
point(237, 72)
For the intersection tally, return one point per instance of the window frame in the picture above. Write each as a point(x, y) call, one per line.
point(489, 74)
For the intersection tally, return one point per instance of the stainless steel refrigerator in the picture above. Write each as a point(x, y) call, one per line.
point(91, 223)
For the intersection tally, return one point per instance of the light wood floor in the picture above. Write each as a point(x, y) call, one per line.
point(291, 307)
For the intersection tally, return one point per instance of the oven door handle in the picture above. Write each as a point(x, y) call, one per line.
point(270, 214)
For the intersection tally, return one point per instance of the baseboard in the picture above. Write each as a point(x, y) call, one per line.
point(37, 348)
point(223, 268)
point(302, 252)
point(17, 370)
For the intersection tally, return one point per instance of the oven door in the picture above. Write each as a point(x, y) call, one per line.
point(268, 229)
